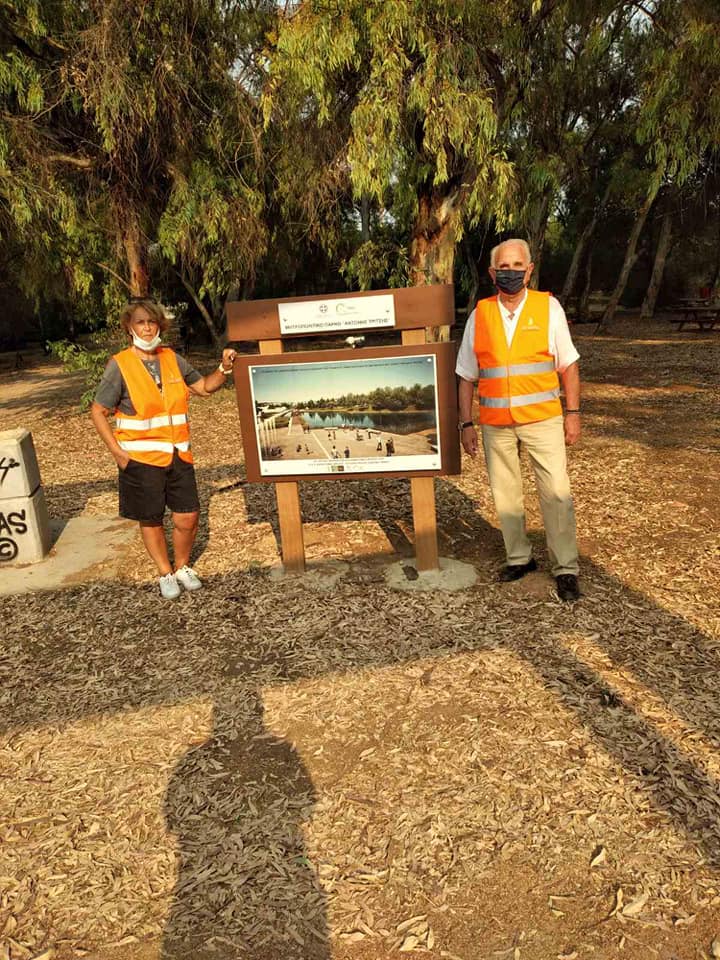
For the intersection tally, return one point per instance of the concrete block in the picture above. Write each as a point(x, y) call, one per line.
point(19, 471)
point(24, 529)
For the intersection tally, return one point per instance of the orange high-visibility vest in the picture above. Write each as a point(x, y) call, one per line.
point(160, 424)
point(516, 383)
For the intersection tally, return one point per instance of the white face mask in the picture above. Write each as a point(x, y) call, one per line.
point(146, 345)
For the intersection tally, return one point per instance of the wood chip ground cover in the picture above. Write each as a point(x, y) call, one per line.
point(269, 770)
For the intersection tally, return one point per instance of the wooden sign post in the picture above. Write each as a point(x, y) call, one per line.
point(287, 493)
point(411, 310)
point(422, 492)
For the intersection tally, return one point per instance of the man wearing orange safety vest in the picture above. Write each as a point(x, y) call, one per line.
point(517, 348)
point(146, 388)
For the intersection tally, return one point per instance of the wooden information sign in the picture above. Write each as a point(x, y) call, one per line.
point(343, 414)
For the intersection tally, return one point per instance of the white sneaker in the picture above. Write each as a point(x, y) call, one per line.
point(187, 578)
point(169, 586)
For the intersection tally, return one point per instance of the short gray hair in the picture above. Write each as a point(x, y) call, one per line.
point(523, 243)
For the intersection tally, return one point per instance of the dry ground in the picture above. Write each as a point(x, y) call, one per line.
point(265, 770)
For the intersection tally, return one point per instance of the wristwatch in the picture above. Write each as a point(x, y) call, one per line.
point(222, 369)
point(573, 411)
point(465, 423)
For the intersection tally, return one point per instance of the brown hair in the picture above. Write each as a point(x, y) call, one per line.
point(153, 308)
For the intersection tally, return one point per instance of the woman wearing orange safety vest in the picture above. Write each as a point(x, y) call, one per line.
point(517, 348)
point(146, 388)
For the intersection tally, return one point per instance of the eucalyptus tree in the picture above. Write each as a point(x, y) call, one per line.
point(585, 77)
point(135, 120)
point(455, 115)
point(42, 156)
point(421, 94)
point(679, 112)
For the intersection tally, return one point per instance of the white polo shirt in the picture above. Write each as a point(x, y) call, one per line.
point(560, 342)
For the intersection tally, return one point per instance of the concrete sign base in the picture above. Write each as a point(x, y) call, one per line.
point(24, 529)
point(24, 522)
point(452, 575)
point(19, 472)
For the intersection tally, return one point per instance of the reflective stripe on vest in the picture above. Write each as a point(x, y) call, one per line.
point(517, 370)
point(517, 381)
point(519, 400)
point(160, 425)
point(128, 423)
point(145, 446)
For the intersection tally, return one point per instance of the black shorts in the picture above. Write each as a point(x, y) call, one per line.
point(145, 490)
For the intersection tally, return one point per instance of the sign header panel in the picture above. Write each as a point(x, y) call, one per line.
point(337, 315)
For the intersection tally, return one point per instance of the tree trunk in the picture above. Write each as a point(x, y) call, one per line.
point(136, 253)
point(716, 273)
point(581, 246)
point(432, 246)
point(538, 228)
point(474, 266)
point(364, 218)
point(631, 255)
point(215, 331)
point(474, 274)
point(233, 292)
point(582, 310)
point(661, 254)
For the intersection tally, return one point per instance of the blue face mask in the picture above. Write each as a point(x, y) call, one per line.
point(510, 281)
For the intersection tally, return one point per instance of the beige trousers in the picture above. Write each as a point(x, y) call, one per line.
point(545, 444)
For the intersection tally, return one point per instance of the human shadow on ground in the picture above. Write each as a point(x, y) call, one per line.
point(236, 807)
point(237, 801)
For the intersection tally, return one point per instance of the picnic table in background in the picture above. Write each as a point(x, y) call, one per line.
point(705, 314)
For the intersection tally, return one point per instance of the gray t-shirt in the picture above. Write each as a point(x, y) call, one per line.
point(112, 392)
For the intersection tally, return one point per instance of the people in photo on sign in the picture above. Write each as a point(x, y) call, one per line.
point(146, 388)
point(517, 348)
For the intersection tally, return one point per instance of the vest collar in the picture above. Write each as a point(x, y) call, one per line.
point(505, 313)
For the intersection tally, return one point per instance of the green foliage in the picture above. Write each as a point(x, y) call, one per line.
point(377, 263)
point(213, 222)
point(128, 122)
point(421, 112)
point(416, 397)
point(212, 148)
point(78, 359)
point(680, 117)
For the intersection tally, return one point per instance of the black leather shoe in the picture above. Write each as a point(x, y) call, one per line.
point(567, 587)
point(513, 571)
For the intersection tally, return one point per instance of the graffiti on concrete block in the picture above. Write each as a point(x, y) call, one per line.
point(12, 526)
point(6, 465)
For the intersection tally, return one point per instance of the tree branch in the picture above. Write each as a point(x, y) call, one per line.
point(116, 275)
point(84, 163)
